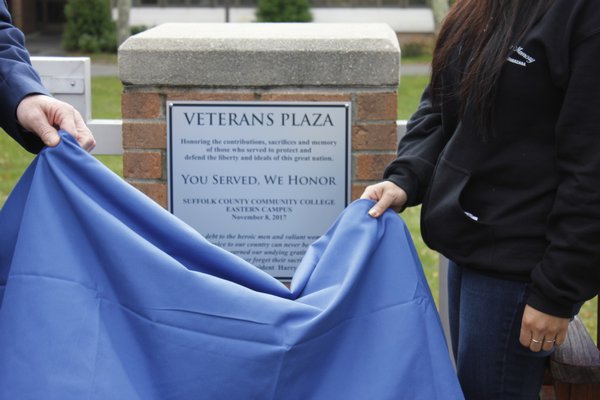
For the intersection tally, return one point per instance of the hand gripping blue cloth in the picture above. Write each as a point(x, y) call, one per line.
point(105, 295)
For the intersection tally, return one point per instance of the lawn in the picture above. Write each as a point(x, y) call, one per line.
point(409, 94)
point(106, 104)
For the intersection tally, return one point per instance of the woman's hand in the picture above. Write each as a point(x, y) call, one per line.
point(387, 195)
point(541, 331)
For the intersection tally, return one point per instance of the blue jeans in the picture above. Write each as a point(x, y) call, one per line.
point(485, 320)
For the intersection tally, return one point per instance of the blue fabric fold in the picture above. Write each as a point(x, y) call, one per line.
point(105, 295)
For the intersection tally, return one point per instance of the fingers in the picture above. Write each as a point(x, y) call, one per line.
point(544, 343)
point(32, 117)
point(46, 133)
point(83, 134)
point(548, 343)
point(561, 337)
point(43, 115)
point(540, 331)
point(387, 195)
point(535, 345)
point(67, 118)
point(63, 115)
point(379, 208)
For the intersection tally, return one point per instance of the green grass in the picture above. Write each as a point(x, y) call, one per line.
point(421, 59)
point(106, 97)
point(13, 161)
point(106, 104)
point(409, 93)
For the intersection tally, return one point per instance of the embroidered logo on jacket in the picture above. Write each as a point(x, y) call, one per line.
point(525, 58)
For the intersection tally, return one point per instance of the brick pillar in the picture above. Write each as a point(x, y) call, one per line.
point(258, 62)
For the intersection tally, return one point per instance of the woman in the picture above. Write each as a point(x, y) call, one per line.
point(504, 155)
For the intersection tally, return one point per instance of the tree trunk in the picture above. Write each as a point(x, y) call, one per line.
point(123, 31)
point(439, 8)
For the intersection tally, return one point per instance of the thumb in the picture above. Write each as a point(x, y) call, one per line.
point(46, 133)
point(379, 208)
point(34, 115)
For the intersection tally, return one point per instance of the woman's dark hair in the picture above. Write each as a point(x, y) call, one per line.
point(479, 36)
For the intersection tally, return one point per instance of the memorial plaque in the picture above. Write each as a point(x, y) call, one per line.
point(262, 180)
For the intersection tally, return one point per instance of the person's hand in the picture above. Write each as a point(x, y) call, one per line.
point(43, 115)
point(541, 331)
point(387, 195)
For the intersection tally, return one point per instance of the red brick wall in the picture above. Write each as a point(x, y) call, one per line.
point(144, 129)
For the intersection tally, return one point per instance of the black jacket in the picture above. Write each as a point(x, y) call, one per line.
point(525, 204)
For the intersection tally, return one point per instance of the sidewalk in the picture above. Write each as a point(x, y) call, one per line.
point(414, 69)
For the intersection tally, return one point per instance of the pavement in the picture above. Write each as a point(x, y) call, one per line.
point(415, 69)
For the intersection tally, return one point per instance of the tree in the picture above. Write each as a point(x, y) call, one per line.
point(439, 8)
point(123, 30)
point(89, 26)
point(283, 11)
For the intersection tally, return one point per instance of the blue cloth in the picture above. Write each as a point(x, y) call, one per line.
point(108, 296)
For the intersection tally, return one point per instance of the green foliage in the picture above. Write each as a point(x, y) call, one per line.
point(135, 29)
point(283, 11)
point(416, 48)
point(89, 27)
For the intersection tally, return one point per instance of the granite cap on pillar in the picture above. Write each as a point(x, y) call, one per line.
point(262, 55)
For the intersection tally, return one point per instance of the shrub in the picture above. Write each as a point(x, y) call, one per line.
point(89, 27)
point(135, 29)
point(415, 49)
point(283, 11)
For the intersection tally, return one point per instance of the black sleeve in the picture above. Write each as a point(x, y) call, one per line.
point(418, 151)
point(569, 272)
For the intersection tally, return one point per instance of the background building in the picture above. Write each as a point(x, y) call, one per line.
point(407, 17)
point(45, 16)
